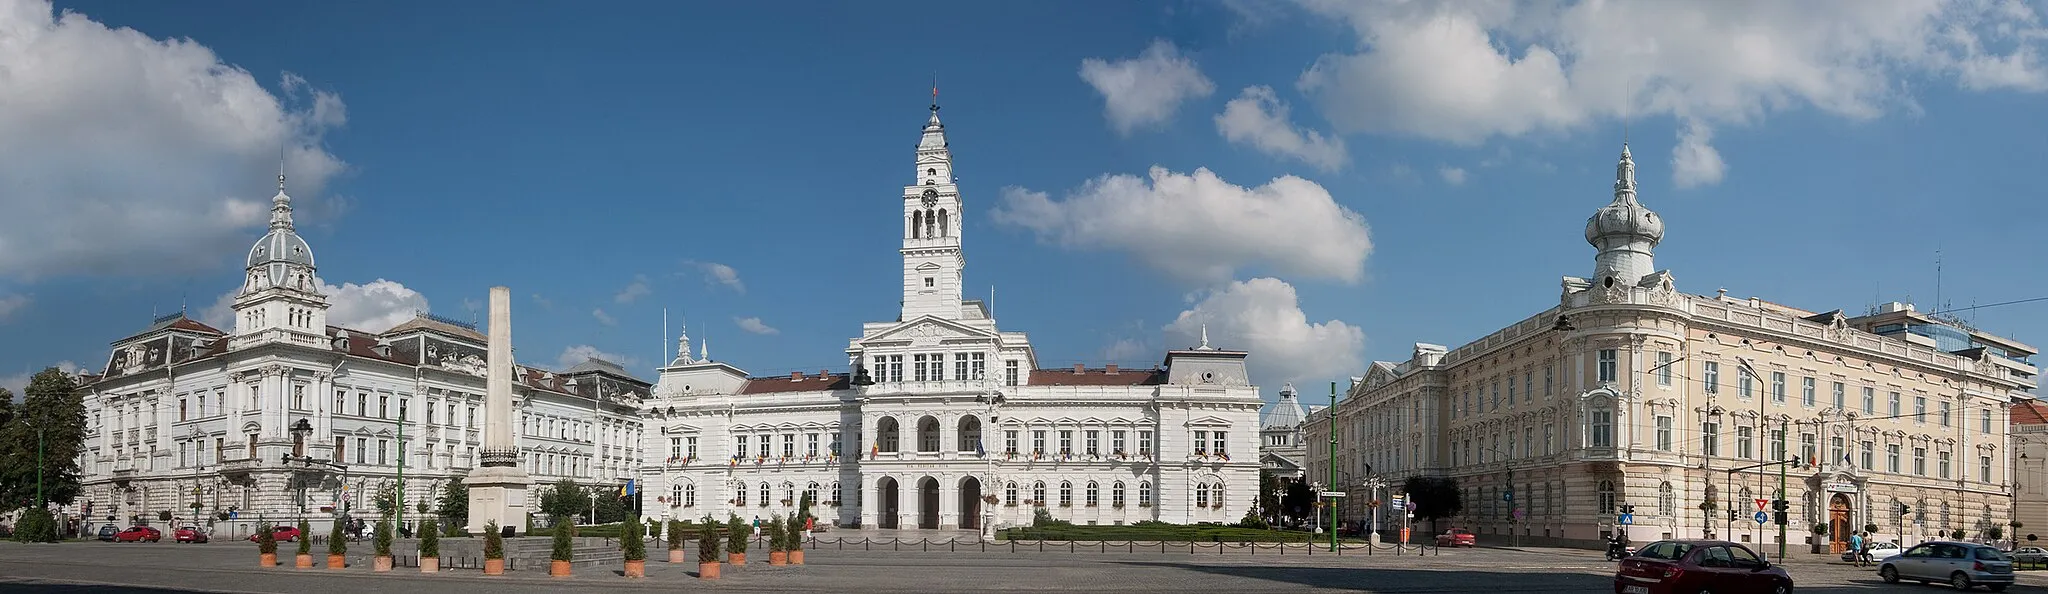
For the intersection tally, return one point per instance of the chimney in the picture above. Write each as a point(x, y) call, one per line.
point(1109, 369)
point(796, 376)
point(824, 374)
point(1080, 368)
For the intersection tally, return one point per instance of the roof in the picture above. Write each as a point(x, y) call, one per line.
point(2029, 412)
point(1098, 377)
point(1284, 414)
point(361, 344)
point(427, 322)
point(176, 321)
point(784, 383)
point(596, 365)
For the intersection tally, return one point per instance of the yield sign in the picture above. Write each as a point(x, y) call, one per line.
point(1760, 503)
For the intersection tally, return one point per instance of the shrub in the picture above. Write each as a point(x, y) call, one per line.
point(1959, 534)
point(305, 537)
point(707, 541)
point(453, 530)
point(794, 532)
point(1994, 533)
point(774, 530)
point(565, 548)
point(494, 541)
point(266, 539)
point(36, 525)
point(634, 545)
point(382, 538)
point(1870, 528)
point(736, 534)
point(1042, 518)
point(337, 540)
point(430, 541)
point(1252, 520)
point(675, 535)
point(163, 516)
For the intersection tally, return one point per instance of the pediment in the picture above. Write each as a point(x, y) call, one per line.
point(927, 267)
point(929, 329)
point(1378, 375)
point(676, 429)
point(1209, 422)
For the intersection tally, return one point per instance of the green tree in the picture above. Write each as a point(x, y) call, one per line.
point(565, 547)
point(381, 539)
point(36, 525)
point(1269, 489)
point(707, 541)
point(50, 420)
point(430, 541)
point(1435, 497)
point(305, 537)
point(631, 541)
point(387, 501)
point(337, 539)
point(610, 506)
point(564, 500)
point(494, 541)
point(454, 503)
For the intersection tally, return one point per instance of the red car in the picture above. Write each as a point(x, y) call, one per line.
point(282, 533)
point(139, 534)
point(1698, 566)
point(1457, 537)
point(190, 534)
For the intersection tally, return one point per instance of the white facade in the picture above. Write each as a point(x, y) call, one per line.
point(184, 413)
point(946, 421)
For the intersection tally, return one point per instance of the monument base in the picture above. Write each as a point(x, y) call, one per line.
point(497, 494)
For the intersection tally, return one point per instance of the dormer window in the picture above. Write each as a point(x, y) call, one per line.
point(931, 171)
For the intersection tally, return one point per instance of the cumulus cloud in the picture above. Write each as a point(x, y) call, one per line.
point(604, 318)
point(634, 290)
point(754, 325)
point(1197, 226)
point(1145, 91)
point(1452, 175)
point(9, 304)
point(1257, 117)
point(18, 383)
point(373, 307)
point(719, 274)
point(1694, 162)
point(126, 154)
point(577, 354)
point(543, 302)
point(1126, 349)
point(1467, 71)
point(1263, 316)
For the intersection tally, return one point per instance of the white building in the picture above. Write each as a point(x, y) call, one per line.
point(1282, 451)
point(187, 414)
point(946, 421)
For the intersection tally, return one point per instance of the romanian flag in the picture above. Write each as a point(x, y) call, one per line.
point(629, 488)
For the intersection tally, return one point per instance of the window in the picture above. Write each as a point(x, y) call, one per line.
point(181, 409)
point(1201, 442)
point(1869, 455)
point(765, 445)
point(1116, 441)
point(1663, 368)
point(1894, 404)
point(1710, 439)
point(1919, 409)
point(1983, 469)
point(1094, 442)
point(383, 406)
point(739, 446)
point(1603, 426)
point(1944, 414)
point(1116, 493)
point(1941, 463)
point(1218, 443)
point(1841, 396)
point(1066, 441)
point(1807, 449)
point(1891, 457)
point(689, 495)
point(1836, 453)
point(1038, 494)
point(918, 367)
point(1777, 386)
point(340, 402)
point(1548, 374)
point(811, 445)
point(895, 368)
point(766, 493)
point(1606, 498)
point(1066, 493)
point(1605, 368)
point(1144, 493)
point(1202, 495)
point(1010, 373)
point(789, 445)
point(1511, 392)
point(1663, 433)
point(1144, 443)
point(675, 447)
point(1548, 429)
point(1093, 494)
point(1711, 377)
point(362, 445)
point(1010, 493)
point(832, 443)
point(1806, 392)
point(1496, 395)
point(1777, 445)
point(978, 370)
point(740, 495)
point(1667, 501)
point(1038, 441)
point(1745, 385)
point(383, 452)
point(298, 398)
point(1984, 421)
point(1920, 461)
point(960, 366)
point(1742, 443)
point(1010, 442)
point(362, 404)
point(1869, 400)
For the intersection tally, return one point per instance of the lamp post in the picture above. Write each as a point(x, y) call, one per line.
point(1332, 414)
point(300, 430)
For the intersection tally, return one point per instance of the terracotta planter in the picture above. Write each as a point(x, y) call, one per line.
point(558, 568)
point(707, 570)
point(494, 567)
point(636, 569)
point(303, 562)
point(269, 559)
point(430, 565)
point(675, 555)
point(796, 557)
point(737, 559)
point(778, 558)
point(337, 561)
point(381, 563)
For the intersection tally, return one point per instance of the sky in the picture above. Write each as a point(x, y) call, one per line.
point(1320, 182)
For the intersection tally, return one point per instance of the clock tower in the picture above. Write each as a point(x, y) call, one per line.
point(932, 260)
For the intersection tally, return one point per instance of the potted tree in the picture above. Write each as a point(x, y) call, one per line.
point(382, 541)
point(337, 547)
point(795, 534)
point(675, 541)
point(305, 557)
point(778, 550)
point(635, 548)
point(430, 548)
point(494, 549)
point(565, 550)
point(736, 535)
point(266, 544)
point(707, 549)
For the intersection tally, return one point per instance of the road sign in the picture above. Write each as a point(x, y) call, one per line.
point(1625, 519)
point(1762, 517)
point(1333, 493)
point(1508, 496)
point(1761, 503)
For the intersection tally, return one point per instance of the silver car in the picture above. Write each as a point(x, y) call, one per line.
point(1960, 564)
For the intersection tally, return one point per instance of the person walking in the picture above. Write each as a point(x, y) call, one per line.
point(1856, 548)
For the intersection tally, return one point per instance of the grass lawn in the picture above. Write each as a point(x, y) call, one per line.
point(1165, 532)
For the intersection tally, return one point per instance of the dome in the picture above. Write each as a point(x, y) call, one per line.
point(1624, 219)
point(281, 246)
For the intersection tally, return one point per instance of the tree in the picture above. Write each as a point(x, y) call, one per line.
point(454, 504)
point(1299, 501)
point(1269, 487)
point(50, 418)
point(610, 506)
point(387, 501)
point(564, 500)
point(1435, 497)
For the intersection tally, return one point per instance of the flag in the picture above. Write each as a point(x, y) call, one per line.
point(628, 489)
point(977, 449)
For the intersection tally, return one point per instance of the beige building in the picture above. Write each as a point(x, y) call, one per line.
point(1630, 393)
point(2030, 471)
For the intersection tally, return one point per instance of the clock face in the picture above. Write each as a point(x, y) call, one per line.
point(930, 201)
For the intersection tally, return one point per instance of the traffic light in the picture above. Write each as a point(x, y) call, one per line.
point(1628, 508)
point(1905, 509)
point(1781, 506)
point(1779, 518)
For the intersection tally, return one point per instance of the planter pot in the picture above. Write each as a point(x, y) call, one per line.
point(381, 563)
point(707, 570)
point(558, 568)
point(430, 565)
point(636, 569)
point(778, 558)
point(737, 559)
point(269, 559)
point(303, 562)
point(494, 567)
point(796, 557)
point(337, 561)
point(675, 555)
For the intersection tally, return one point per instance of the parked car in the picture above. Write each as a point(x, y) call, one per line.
point(2030, 555)
point(107, 532)
point(1690, 566)
point(1457, 537)
point(190, 534)
point(1960, 564)
point(1878, 551)
point(282, 533)
point(139, 534)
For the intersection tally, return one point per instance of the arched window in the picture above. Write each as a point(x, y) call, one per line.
point(1549, 503)
point(1606, 497)
point(1945, 524)
point(1667, 502)
point(1919, 512)
point(811, 492)
point(1038, 493)
point(788, 493)
point(945, 224)
point(928, 434)
point(931, 224)
point(766, 494)
point(917, 224)
point(1202, 495)
point(835, 493)
point(690, 495)
point(675, 495)
point(931, 171)
point(1216, 493)
point(1145, 493)
point(1116, 494)
point(1094, 494)
point(885, 434)
point(1600, 429)
point(739, 497)
point(1010, 494)
point(970, 434)
point(1066, 493)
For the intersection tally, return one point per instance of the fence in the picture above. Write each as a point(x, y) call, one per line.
point(1108, 546)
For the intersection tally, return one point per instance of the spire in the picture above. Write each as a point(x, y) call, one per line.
point(683, 346)
point(704, 350)
point(1625, 177)
point(1205, 338)
point(281, 204)
point(1624, 231)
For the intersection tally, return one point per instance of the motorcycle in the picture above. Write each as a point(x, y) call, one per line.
point(1617, 551)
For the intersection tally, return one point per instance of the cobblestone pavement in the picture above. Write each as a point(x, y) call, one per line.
point(231, 567)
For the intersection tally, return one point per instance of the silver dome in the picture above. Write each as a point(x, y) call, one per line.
point(1625, 220)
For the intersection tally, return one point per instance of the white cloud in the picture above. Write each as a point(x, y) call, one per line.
point(1263, 316)
point(1257, 117)
point(124, 154)
point(577, 354)
point(719, 274)
point(9, 304)
point(1467, 71)
point(373, 307)
point(1198, 226)
point(1694, 162)
point(1145, 91)
point(1452, 175)
point(634, 290)
point(18, 383)
point(1126, 349)
point(754, 325)
point(543, 302)
point(604, 318)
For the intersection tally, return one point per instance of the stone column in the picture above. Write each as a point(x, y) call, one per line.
point(497, 487)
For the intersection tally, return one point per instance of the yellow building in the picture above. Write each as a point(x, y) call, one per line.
point(1628, 394)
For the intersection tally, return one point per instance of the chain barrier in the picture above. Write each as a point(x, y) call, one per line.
point(954, 544)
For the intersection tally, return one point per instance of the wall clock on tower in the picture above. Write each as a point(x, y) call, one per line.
point(931, 198)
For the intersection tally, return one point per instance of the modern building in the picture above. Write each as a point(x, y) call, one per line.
point(2029, 472)
point(1281, 448)
point(287, 416)
point(947, 422)
point(1630, 394)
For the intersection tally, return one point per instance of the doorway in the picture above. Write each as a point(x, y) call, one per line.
point(928, 503)
point(1838, 523)
point(970, 503)
point(887, 503)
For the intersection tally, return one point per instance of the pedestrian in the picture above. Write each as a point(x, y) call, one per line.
point(1856, 548)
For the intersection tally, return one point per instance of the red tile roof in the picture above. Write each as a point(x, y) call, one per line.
point(783, 383)
point(2030, 412)
point(1098, 377)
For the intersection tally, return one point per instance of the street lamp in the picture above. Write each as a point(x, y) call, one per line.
point(300, 430)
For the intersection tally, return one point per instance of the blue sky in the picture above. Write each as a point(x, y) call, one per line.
point(1323, 183)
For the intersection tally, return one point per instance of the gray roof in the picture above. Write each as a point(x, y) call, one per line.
point(1285, 414)
point(595, 364)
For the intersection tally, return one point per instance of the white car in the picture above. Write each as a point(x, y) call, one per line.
point(1878, 551)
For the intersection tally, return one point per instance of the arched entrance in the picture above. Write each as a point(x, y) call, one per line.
point(928, 503)
point(970, 503)
point(888, 503)
point(1838, 523)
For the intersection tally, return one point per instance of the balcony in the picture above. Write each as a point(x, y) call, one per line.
point(239, 468)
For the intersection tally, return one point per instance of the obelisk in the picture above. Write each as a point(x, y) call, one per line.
point(497, 486)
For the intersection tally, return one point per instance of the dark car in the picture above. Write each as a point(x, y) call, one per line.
point(107, 532)
point(190, 534)
point(139, 534)
point(281, 533)
point(1669, 566)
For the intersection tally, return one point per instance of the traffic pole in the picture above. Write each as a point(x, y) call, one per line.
point(1784, 430)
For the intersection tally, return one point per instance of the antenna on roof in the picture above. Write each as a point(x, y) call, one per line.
point(1938, 305)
